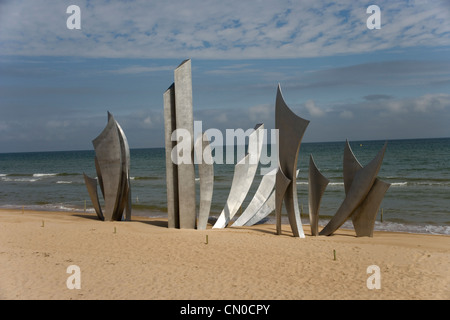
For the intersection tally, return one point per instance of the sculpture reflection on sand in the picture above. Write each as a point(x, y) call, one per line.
point(112, 163)
point(364, 191)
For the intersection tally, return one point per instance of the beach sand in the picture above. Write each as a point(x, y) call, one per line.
point(143, 259)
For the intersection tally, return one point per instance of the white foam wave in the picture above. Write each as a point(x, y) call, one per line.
point(19, 179)
point(398, 227)
point(67, 182)
point(399, 184)
point(39, 175)
point(331, 183)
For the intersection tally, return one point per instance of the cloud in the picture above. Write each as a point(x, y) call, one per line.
point(232, 29)
point(429, 103)
point(261, 113)
point(313, 109)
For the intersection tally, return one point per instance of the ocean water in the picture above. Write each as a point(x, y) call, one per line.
point(417, 201)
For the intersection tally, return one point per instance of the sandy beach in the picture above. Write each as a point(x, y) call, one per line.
point(143, 259)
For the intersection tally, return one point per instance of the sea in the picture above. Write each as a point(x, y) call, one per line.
point(418, 200)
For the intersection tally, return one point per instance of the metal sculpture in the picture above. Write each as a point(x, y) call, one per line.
point(358, 184)
point(91, 185)
point(171, 168)
point(179, 125)
point(282, 184)
point(267, 208)
point(244, 174)
point(206, 176)
point(317, 184)
point(363, 217)
point(112, 163)
point(291, 129)
point(261, 196)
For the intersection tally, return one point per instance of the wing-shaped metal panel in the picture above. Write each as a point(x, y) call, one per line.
point(290, 129)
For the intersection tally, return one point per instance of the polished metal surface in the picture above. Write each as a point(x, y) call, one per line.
point(109, 157)
point(206, 176)
point(282, 184)
point(267, 208)
point(184, 120)
point(244, 174)
point(125, 194)
point(112, 163)
point(291, 130)
point(364, 216)
point(91, 185)
point(261, 196)
point(361, 184)
point(171, 168)
point(317, 184)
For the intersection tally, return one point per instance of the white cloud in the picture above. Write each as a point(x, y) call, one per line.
point(313, 109)
point(231, 29)
point(428, 103)
point(261, 113)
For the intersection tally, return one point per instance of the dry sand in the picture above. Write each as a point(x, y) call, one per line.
point(143, 259)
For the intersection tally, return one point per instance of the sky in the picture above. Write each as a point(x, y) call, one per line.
point(351, 82)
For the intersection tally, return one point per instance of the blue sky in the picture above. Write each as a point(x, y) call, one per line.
point(56, 84)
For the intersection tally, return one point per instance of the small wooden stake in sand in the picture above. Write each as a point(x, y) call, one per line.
point(42, 225)
point(115, 230)
point(206, 239)
point(334, 254)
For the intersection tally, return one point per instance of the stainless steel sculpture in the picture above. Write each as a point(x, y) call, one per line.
point(171, 168)
point(206, 176)
point(316, 187)
point(364, 216)
point(244, 174)
point(282, 184)
point(267, 208)
point(125, 201)
point(91, 185)
point(112, 162)
point(291, 129)
point(261, 196)
point(358, 182)
point(179, 124)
